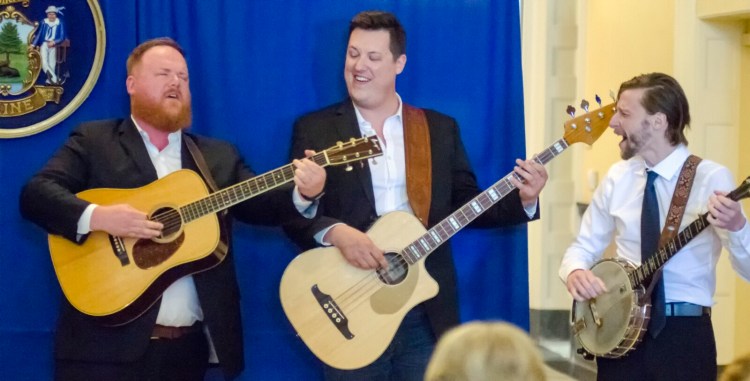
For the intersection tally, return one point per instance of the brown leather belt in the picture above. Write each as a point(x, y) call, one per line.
point(165, 332)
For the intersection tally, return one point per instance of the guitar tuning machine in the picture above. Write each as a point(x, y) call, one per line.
point(348, 168)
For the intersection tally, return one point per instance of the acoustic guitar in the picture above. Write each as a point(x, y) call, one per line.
point(116, 279)
point(348, 316)
point(612, 324)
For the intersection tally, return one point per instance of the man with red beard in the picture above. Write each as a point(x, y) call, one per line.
point(197, 319)
point(651, 117)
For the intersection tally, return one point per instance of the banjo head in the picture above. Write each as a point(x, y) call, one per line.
point(602, 324)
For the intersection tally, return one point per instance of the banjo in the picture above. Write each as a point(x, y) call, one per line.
point(613, 323)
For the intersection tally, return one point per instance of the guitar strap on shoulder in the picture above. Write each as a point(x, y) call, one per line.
point(197, 156)
point(418, 162)
point(223, 246)
point(676, 208)
point(679, 199)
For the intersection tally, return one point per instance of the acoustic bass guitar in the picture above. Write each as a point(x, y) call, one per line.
point(348, 316)
point(116, 279)
point(612, 324)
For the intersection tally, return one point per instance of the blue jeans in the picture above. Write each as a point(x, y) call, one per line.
point(405, 359)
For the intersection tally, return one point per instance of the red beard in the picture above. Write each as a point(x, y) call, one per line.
point(158, 116)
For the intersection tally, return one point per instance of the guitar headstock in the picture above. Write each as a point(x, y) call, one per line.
point(742, 191)
point(589, 126)
point(353, 150)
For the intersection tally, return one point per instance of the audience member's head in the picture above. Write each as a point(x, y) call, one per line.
point(738, 370)
point(480, 351)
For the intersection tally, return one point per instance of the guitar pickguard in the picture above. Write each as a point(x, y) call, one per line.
point(147, 253)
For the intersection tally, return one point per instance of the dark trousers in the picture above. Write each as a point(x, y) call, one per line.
point(181, 359)
point(684, 350)
point(405, 359)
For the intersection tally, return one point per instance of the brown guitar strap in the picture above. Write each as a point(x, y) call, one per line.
point(679, 199)
point(418, 162)
point(676, 209)
point(223, 246)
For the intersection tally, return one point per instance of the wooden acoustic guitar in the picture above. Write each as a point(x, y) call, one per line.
point(612, 324)
point(348, 316)
point(116, 279)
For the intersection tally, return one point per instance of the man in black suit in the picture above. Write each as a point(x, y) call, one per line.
point(172, 339)
point(424, 171)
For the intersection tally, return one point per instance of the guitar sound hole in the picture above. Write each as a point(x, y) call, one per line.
point(397, 269)
point(172, 221)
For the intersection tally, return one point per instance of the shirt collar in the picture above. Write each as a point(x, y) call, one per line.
point(362, 122)
point(672, 164)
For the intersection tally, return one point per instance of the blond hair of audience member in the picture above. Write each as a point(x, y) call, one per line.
point(480, 351)
point(738, 370)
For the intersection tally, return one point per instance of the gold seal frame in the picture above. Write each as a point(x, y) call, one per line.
point(83, 93)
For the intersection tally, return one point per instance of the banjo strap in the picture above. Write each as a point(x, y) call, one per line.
point(676, 208)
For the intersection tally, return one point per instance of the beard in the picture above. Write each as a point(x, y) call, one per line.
point(160, 116)
point(635, 142)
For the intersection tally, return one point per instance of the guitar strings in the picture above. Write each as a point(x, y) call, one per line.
point(361, 290)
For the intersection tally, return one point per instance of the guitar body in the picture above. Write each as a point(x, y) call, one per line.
point(612, 324)
point(348, 316)
point(100, 283)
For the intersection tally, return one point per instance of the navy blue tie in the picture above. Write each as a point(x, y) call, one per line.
point(650, 233)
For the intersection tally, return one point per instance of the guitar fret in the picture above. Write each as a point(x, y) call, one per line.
point(454, 223)
point(477, 207)
point(493, 194)
point(426, 246)
point(435, 237)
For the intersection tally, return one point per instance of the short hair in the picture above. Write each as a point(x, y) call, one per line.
point(663, 94)
point(137, 54)
point(485, 351)
point(379, 20)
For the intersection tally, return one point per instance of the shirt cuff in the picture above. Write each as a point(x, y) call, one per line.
point(321, 234)
point(307, 209)
point(84, 222)
point(531, 210)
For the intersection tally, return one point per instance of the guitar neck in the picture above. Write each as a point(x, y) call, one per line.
point(451, 225)
point(233, 195)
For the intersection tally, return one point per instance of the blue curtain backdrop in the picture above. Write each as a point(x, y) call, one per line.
point(254, 67)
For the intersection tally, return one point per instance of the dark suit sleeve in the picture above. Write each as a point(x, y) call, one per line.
point(49, 199)
point(299, 229)
point(449, 152)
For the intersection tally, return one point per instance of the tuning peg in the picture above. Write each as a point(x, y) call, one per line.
point(571, 111)
point(348, 168)
point(598, 100)
point(612, 95)
point(585, 105)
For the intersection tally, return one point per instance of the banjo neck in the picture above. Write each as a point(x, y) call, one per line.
point(649, 267)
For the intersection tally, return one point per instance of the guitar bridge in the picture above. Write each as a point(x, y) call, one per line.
point(332, 310)
point(118, 247)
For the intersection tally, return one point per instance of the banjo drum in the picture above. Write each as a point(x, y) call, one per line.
point(613, 323)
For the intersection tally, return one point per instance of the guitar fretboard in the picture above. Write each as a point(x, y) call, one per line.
point(450, 225)
point(242, 191)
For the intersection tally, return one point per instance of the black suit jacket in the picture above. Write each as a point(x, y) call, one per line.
point(111, 154)
point(349, 195)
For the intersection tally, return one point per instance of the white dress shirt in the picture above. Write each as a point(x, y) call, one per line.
point(615, 212)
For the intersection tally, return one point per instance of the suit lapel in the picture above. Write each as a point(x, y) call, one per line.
point(347, 128)
point(132, 143)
